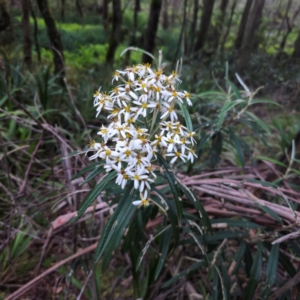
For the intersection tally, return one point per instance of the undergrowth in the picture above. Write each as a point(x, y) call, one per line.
point(38, 134)
point(246, 177)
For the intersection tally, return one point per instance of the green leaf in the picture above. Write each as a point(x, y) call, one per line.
point(256, 270)
point(237, 145)
point(263, 183)
point(118, 229)
point(203, 141)
point(259, 122)
point(97, 170)
point(164, 244)
point(264, 101)
point(226, 234)
point(227, 106)
point(90, 198)
point(234, 88)
point(210, 93)
point(137, 49)
point(272, 160)
point(173, 183)
point(250, 289)
point(197, 204)
point(73, 153)
point(216, 285)
point(269, 211)
point(296, 171)
point(187, 117)
point(152, 238)
point(272, 265)
point(117, 222)
point(255, 274)
point(217, 145)
point(180, 274)
point(246, 224)
point(264, 208)
point(224, 279)
point(174, 189)
point(239, 256)
point(88, 168)
point(285, 262)
point(172, 215)
point(248, 259)
point(198, 239)
point(163, 162)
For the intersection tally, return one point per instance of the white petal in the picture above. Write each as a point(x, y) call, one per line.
point(137, 202)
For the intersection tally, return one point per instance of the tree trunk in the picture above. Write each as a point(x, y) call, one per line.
point(4, 15)
point(251, 28)
point(208, 6)
point(35, 32)
point(62, 10)
point(165, 17)
point(296, 53)
point(242, 26)
point(153, 21)
point(115, 34)
point(173, 12)
point(54, 37)
point(26, 32)
point(105, 11)
point(79, 8)
point(133, 34)
point(290, 26)
point(228, 25)
point(181, 40)
point(220, 24)
point(194, 26)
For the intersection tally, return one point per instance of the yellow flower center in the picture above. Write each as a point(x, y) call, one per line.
point(144, 202)
point(174, 94)
point(187, 95)
point(92, 143)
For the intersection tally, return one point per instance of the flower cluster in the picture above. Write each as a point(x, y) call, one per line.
point(142, 122)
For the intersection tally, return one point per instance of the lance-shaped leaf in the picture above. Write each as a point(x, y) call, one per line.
point(88, 168)
point(238, 146)
point(118, 229)
point(187, 117)
point(191, 268)
point(172, 215)
point(164, 247)
point(98, 170)
point(239, 256)
point(197, 204)
point(152, 238)
point(115, 227)
point(173, 183)
point(272, 265)
point(93, 194)
point(255, 274)
point(225, 109)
